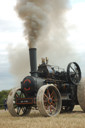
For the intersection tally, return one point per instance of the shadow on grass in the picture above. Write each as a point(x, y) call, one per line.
point(73, 112)
point(37, 114)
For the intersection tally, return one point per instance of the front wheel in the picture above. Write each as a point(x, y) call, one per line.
point(49, 100)
point(13, 108)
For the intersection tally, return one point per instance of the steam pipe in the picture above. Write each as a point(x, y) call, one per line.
point(33, 61)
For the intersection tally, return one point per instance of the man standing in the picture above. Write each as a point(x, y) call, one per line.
point(5, 104)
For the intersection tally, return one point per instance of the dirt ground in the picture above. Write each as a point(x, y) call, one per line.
point(76, 119)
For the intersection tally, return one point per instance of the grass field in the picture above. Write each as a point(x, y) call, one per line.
point(76, 119)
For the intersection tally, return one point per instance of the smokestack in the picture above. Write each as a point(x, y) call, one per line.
point(33, 62)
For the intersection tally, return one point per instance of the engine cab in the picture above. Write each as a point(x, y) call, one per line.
point(45, 70)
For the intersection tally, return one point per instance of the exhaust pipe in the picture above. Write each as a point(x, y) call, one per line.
point(33, 62)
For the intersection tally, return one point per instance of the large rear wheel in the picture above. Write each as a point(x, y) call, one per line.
point(49, 100)
point(81, 94)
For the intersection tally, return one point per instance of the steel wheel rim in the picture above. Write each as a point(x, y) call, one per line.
point(51, 101)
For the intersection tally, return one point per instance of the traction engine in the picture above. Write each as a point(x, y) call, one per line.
point(49, 89)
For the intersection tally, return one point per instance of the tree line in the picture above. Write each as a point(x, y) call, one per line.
point(3, 96)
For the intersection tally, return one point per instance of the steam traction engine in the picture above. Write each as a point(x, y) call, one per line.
point(49, 89)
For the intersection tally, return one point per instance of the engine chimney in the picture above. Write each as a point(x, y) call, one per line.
point(33, 62)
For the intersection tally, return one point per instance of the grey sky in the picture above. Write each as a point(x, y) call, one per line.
point(11, 32)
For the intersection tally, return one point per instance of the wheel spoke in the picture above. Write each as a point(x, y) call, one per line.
point(48, 93)
point(52, 93)
point(73, 69)
point(50, 109)
point(55, 100)
point(20, 95)
point(53, 97)
point(16, 95)
point(24, 109)
point(53, 107)
point(53, 104)
point(45, 101)
point(46, 96)
point(18, 110)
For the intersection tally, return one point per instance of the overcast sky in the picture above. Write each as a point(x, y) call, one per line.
point(11, 32)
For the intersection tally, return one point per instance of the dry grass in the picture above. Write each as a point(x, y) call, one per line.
point(76, 119)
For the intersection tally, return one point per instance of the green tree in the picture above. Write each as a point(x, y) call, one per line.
point(3, 95)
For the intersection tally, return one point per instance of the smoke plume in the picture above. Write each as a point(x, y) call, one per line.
point(45, 28)
point(37, 16)
point(34, 17)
